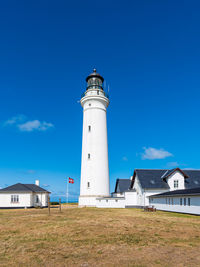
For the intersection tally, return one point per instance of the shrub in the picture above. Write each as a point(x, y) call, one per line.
point(54, 203)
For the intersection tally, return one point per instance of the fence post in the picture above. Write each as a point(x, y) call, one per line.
point(48, 205)
point(60, 204)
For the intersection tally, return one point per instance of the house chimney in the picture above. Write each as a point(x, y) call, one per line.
point(37, 182)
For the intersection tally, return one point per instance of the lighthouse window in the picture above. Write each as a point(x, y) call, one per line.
point(89, 128)
point(90, 105)
point(98, 92)
point(88, 156)
point(88, 184)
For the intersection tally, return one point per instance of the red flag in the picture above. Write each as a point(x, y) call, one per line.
point(71, 181)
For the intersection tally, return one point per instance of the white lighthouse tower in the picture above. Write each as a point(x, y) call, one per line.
point(94, 165)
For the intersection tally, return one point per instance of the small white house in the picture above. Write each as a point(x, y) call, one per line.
point(23, 196)
point(184, 201)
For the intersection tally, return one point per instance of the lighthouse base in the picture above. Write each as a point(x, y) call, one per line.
point(88, 201)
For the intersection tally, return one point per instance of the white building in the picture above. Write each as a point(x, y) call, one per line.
point(183, 201)
point(94, 165)
point(146, 183)
point(23, 196)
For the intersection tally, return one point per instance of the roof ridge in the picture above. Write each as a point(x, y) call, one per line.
point(152, 169)
point(25, 185)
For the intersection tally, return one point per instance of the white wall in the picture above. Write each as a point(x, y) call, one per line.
point(118, 194)
point(87, 201)
point(139, 192)
point(43, 199)
point(176, 176)
point(160, 204)
point(142, 194)
point(130, 198)
point(25, 200)
point(147, 193)
point(110, 203)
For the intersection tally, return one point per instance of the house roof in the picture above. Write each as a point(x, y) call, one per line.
point(183, 192)
point(194, 179)
point(122, 185)
point(154, 179)
point(150, 179)
point(23, 188)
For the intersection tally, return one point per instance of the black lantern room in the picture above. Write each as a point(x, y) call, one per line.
point(94, 80)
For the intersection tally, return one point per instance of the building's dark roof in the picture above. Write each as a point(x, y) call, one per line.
point(150, 179)
point(192, 191)
point(94, 74)
point(122, 185)
point(153, 179)
point(194, 179)
point(23, 188)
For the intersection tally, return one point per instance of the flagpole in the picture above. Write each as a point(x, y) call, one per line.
point(67, 190)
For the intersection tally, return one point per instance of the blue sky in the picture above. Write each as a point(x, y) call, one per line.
point(147, 51)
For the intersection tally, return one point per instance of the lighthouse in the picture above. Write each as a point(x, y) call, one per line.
point(94, 163)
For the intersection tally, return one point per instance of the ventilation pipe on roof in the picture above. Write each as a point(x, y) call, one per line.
point(37, 182)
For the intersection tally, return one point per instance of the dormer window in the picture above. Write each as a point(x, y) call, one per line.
point(175, 183)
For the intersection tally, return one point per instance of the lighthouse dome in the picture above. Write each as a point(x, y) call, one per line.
point(94, 74)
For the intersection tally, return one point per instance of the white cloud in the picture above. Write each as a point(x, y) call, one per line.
point(153, 153)
point(31, 171)
point(172, 164)
point(125, 158)
point(46, 185)
point(21, 122)
point(15, 120)
point(30, 126)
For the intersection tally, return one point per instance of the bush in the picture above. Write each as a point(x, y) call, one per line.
point(54, 203)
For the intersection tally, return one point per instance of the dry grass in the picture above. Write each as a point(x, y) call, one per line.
point(98, 237)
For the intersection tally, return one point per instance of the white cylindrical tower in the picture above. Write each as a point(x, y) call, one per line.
point(94, 165)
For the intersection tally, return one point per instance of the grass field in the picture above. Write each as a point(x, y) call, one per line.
point(98, 237)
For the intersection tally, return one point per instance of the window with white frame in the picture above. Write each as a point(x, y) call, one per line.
point(189, 201)
point(88, 155)
point(184, 201)
point(89, 128)
point(175, 183)
point(14, 198)
point(88, 185)
point(181, 201)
